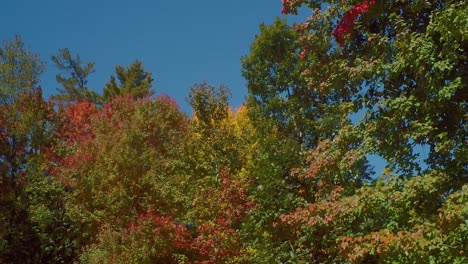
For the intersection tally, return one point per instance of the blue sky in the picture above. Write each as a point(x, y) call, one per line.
point(180, 42)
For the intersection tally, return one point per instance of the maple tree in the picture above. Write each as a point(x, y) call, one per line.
point(34, 225)
point(278, 89)
point(143, 136)
point(222, 211)
point(399, 217)
point(153, 237)
point(150, 238)
point(346, 24)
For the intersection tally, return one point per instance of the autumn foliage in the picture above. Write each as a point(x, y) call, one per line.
point(290, 176)
point(346, 24)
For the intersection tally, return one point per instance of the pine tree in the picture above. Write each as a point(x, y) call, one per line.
point(75, 86)
point(132, 80)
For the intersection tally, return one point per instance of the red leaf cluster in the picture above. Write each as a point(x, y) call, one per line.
point(346, 24)
point(219, 239)
point(285, 7)
point(76, 122)
point(322, 212)
point(75, 128)
point(25, 129)
point(165, 228)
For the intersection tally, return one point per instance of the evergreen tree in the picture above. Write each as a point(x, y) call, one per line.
point(75, 86)
point(132, 80)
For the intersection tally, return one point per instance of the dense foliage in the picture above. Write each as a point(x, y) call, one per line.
point(127, 177)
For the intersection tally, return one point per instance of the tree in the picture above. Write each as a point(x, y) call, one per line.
point(133, 80)
point(394, 88)
point(209, 104)
point(391, 58)
point(279, 89)
point(34, 226)
point(157, 238)
point(19, 70)
point(290, 118)
point(220, 216)
point(213, 144)
point(121, 159)
point(75, 86)
point(149, 238)
point(275, 85)
point(136, 195)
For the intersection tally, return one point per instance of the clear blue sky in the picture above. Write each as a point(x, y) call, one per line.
point(180, 42)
